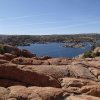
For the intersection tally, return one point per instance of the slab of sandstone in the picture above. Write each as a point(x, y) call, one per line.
point(80, 70)
point(30, 93)
point(26, 75)
point(74, 82)
point(93, 90)
point(82, 97)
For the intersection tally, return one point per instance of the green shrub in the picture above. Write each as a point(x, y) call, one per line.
point(1, 49)
point(89, 54)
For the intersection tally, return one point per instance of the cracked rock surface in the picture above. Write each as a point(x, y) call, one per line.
point(31, 78)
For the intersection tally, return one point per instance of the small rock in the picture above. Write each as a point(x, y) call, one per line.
point(93, 90)
point(26, 53)
point(9, 56)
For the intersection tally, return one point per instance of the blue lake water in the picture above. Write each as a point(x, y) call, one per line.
point(55, 50)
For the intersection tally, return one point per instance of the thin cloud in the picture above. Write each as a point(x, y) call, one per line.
point(75, 25)
point(21, 17)
point(48, 22)
point(14, 18)
point(82, 24)
point(70, 26)
point(38, 23)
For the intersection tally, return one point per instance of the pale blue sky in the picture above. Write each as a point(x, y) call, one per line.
point(49, 16)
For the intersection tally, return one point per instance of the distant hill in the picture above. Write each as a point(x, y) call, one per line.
point(27, 39)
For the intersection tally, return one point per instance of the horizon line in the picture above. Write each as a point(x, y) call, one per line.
point(50, 34)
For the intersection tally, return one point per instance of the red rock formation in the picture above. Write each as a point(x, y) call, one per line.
point(56, 78)
point(30, 93)
point(26, 75)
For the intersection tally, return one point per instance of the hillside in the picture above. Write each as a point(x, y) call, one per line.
point(27, 39)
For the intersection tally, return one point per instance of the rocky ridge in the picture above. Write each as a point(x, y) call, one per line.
point(23, 76)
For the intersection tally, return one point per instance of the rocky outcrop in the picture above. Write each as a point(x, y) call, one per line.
point(74, 82)
point(81, 86)
point(3, 61)
point(82, 97)
point(80, 70)
point(93, 90)
point(7, 56)
point(26, 61)
point(26, 75)
point(40, 93)
point(40, 61)
point(91, 54)
point(26, 53)
point(30, 93)
point(11, 49)
point(59, 61)
point(52, 70)
point(97, 51)
point(23, 76)
point(18, 52)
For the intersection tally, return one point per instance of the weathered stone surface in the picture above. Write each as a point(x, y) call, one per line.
point(47, 93)
point(95, 63)
point(82, 97)
point(9, 56)
point(30, 93)
point(23, 61)
point(78, 77)
point(16, 51)
point(99, 77)
point(97, 51)
point(38, 61)
point(2, 57)
point(3, 61)
point(45, 62)
point(26, 53)
point(27, 75)
point(74, 82)
point(26, 61)
point(80, 86)
point(3, 93)
point(93, 90)
point(81, 71)
point(95, 71)
point(9, 82)
point(54, 61)
point(52, 70)
point(11, 49)
point(59, 61)
point(65, 61)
